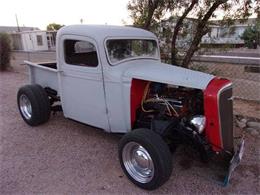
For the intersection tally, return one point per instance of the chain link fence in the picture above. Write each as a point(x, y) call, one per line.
point(245, 78)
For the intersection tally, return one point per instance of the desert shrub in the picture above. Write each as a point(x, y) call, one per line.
point(251, 35)
point(5, 51)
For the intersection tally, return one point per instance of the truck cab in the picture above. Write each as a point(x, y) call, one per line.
point(112, 78)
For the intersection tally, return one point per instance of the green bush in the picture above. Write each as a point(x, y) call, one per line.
point(251, 35)
point(5, 51)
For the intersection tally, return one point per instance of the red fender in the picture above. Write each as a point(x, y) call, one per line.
point(211, 112)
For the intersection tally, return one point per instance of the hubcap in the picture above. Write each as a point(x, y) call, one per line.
point(25, 106)
point(138, 162)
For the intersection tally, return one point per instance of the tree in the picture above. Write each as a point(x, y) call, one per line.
point(201, 30)
point(147, 13)
point(5, 51)
point(178, 25)
point(251, 35)
point(54, 26)
point(201, 10)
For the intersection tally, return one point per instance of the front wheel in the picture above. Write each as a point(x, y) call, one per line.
point(145, 158)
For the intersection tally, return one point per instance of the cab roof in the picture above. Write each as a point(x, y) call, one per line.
point(101, 32)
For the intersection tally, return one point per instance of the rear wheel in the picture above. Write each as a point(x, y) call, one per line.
point(33, 104)
point(145, 158)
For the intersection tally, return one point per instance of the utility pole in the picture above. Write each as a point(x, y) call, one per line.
point(18, 28)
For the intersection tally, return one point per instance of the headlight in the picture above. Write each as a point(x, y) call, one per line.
point(199, 122)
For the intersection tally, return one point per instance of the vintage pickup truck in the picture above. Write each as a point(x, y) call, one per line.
point(112, 78)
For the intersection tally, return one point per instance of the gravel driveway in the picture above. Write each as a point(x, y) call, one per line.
point(66, 157)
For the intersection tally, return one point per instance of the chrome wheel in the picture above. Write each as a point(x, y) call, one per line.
point(138, 162)
point(25, 106)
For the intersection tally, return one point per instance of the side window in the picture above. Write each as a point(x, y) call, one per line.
point(80, 53)
point(39, 40)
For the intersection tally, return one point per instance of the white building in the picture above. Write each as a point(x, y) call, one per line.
point(30, 38)
point(229, 35)
point(33, 40)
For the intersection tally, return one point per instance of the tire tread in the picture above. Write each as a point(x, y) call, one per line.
point(39, 101)
point(160, 152)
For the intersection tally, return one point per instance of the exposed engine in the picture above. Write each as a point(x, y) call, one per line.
point(162, 101)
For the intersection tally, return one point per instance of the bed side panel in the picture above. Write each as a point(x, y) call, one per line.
point(44, 77)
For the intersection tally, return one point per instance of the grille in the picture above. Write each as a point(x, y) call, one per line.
point(225, 104)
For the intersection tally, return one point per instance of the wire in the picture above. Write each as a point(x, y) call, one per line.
point(173, 109)
point(169, 107)
point(144, 97)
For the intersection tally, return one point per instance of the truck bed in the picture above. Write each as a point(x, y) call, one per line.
point(44, 74)
point(52, 65)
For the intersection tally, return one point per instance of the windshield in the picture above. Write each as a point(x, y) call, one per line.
point(122, 49)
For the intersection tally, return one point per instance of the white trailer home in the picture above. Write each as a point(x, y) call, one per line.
point(33, 40)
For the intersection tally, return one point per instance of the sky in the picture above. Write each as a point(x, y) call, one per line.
point(37, 13)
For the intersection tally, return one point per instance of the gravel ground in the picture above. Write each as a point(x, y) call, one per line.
point(66, 157)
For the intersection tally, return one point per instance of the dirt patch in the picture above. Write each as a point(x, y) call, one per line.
point(247, 108)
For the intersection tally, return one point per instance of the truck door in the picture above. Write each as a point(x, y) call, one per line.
point(81, 81)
